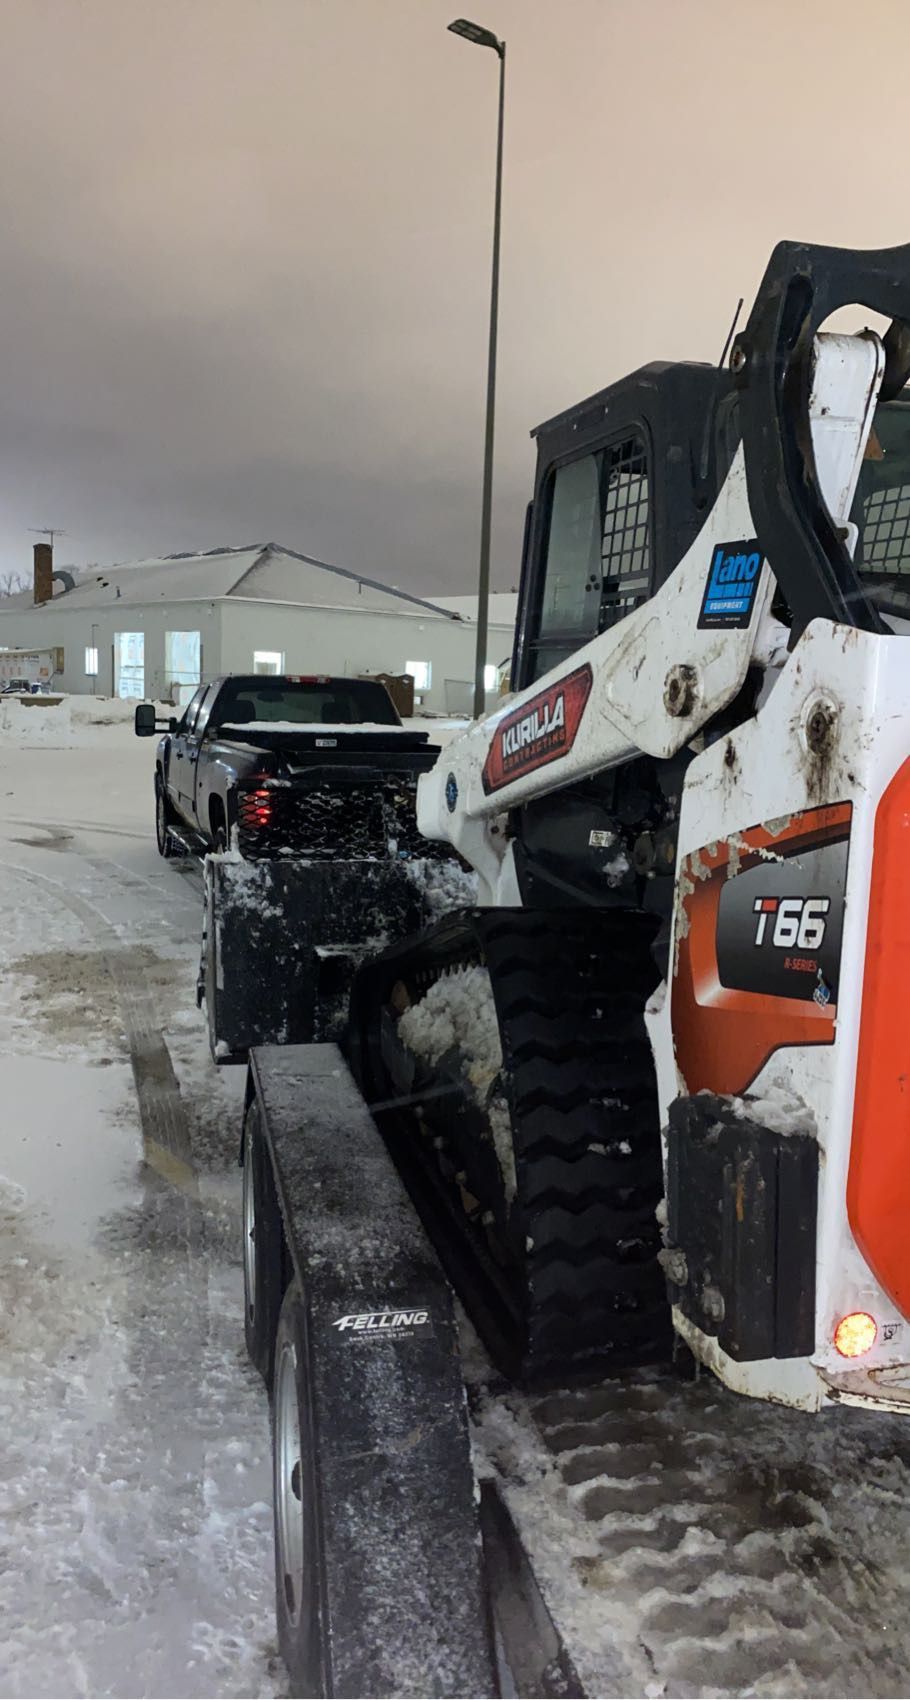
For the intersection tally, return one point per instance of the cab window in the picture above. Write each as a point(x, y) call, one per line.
point(188, 724)
point(597, 561)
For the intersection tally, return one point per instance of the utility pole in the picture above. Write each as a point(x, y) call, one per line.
point(485, 38)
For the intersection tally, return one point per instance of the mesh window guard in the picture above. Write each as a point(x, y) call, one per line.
point(625, 554)
point(886, 523)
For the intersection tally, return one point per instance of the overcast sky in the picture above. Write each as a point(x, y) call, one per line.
point(245, 247)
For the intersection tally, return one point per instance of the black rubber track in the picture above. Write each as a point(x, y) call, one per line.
point(574, 1255)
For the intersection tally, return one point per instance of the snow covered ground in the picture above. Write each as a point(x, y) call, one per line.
point(135, 1525)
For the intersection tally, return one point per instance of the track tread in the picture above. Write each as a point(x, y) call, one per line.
point(581, 1236)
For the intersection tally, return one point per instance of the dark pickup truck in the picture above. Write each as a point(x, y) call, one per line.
point(287, 765)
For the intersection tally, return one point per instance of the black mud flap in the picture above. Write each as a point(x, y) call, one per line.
point(283, 939)
point(741, 1214)
point(397, 1540)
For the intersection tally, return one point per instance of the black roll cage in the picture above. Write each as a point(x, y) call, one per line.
point(772, 371)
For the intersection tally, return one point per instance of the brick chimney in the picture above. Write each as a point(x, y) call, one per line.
point(44, 573)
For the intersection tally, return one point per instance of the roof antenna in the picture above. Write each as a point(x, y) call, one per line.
point(712, 414)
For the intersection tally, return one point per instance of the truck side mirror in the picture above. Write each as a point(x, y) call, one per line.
point(145, 720)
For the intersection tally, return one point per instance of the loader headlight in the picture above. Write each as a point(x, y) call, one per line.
point(855, 1334)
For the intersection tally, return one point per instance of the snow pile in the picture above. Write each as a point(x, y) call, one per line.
point(111, 711)
point(616, 869)
point(44, 723)
point(249, 885)
point(445, 884)
point(458, 1013)
point(309, 728)
point(442, 730)
point(778, 1108)
point(72, 722)
point(504, 1146)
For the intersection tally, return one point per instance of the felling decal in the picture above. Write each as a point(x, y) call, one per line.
point(758, 931)
point(540, 731)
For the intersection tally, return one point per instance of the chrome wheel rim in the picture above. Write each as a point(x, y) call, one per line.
point(249, 1227)
point(289, 1482)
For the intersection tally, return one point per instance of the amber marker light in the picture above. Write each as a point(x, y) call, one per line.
point(855, 1334)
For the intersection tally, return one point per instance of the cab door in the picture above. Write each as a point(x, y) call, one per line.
point(594, 559)
point(182, 773)
point(198, 762)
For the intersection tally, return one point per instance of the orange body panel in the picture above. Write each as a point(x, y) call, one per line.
point(723, 1036)
point(878, 1186)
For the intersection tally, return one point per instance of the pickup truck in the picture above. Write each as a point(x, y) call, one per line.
point(287, 765)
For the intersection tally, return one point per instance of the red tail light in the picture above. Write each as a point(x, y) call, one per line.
point(255, 808)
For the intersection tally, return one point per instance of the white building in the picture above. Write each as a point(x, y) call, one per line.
point(154, 628)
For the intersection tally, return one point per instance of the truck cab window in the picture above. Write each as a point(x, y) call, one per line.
point(187, 725)
point(598, 557)
point(206, 705)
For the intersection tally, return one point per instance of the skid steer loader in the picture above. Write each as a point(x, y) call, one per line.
point(668, 1052)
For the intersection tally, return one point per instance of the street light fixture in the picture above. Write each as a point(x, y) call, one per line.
point(485, 38)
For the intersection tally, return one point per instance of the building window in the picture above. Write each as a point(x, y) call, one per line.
point(421, 672)
point(129, 664)
point(91, 662)
point(268, 661)
point(490, 676)
point(182, 666)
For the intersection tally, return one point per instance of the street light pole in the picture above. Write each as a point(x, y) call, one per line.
point(485, 38)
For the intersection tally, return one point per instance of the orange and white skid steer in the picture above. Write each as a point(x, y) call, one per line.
point(705, 767)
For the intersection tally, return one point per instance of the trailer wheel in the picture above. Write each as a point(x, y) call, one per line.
point(262, 1249)
point(298, 1592)
point(166, 846)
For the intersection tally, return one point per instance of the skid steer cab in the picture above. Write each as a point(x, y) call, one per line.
point(702, 781)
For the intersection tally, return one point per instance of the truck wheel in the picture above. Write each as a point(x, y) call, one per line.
point(262, 1249)
point(166, 846)
point(298, 1593)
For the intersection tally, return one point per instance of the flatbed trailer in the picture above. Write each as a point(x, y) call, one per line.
point(409, 1579)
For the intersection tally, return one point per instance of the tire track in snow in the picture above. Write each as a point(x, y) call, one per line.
point(185, 1580)
point(166, 1138)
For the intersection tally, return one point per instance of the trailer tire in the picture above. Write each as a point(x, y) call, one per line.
point(298, 1548)
point(263, 1249)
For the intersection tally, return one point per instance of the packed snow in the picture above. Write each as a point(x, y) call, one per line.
point(458, 1014)
point(308, 727)
point(135, 1520)
point(445, 883)
point(778, 1108)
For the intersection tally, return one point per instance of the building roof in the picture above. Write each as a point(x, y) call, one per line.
point(264, 572)
point(502, 611)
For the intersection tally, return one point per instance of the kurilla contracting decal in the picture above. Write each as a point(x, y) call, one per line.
point(538, 732)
